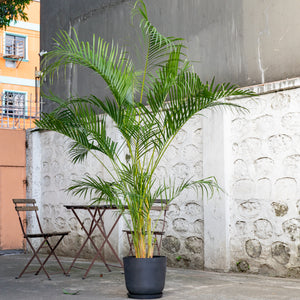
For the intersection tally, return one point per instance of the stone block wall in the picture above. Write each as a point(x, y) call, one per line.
point(264, 211)
point(252, 226)
point(183, 241)
point(50, 172)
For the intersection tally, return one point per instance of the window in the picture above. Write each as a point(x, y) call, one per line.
point(15, 46)
point(14, 103)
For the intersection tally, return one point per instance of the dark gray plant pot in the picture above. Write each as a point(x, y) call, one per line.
point(145, 277)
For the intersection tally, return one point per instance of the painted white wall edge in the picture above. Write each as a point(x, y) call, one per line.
point(17, 81)
point(25, 25)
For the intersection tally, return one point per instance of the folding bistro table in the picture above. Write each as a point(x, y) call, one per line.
point(96, 212)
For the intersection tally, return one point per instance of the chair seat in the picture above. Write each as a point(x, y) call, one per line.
point(47, 234)
point(159, 232)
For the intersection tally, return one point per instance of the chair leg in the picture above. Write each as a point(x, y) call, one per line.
point(35, 255)
point(158, 244)
point(58, 261)
point(130, 242)
point(52, 252)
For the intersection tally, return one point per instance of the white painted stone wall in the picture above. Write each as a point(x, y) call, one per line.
point(50, 172)
point(264, 207)
point(255, 157)
point(183, 243)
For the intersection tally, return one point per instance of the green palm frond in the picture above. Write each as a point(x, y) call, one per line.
point(84, 126)
point(157, 47)
point(108, 61)
point(147, 107)
point(206, 186)
point(96, 189)
point(156, 43)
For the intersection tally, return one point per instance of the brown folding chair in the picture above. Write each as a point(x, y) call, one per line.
point(28, 205)
point(161, 206)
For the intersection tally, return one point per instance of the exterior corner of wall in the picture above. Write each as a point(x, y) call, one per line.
point(216, 212)
point(34, 157)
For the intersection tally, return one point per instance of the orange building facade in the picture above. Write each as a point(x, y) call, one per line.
point(19, 106)
point(12, 185)
point(19, 71)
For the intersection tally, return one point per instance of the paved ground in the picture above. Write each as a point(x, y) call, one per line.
point(180, 284)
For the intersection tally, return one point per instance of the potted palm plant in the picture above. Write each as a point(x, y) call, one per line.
point(148, 107)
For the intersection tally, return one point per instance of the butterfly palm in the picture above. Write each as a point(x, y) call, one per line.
point(147, 106)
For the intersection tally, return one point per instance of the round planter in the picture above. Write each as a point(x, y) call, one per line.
point(145, 277)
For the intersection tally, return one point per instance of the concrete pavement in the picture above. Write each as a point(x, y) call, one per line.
point(102, 285)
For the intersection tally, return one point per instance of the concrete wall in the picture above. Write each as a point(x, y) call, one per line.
point(50, 172)
point(241, 41)
point(183, 243)
point(265, 160)
point(255, 157)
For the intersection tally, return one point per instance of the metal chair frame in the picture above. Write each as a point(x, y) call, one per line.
point(159, 205)
point(28, 205)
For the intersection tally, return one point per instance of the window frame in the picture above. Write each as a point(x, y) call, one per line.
point(5, 108)
point(25, 58)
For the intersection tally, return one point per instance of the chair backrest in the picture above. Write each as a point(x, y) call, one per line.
point(27, 205)
point(161, 205)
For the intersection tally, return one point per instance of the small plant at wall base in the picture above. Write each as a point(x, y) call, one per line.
point(148, 107)
point(243, 266)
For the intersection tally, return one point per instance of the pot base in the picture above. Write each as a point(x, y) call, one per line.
point(145, 277)
point(136, 296)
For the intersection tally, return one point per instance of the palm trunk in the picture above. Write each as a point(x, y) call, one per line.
point(149, 238)
point(140, 246)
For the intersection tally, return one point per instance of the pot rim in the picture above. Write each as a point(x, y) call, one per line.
point(154, 257)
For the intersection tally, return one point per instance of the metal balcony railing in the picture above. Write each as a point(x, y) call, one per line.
point(17, 112)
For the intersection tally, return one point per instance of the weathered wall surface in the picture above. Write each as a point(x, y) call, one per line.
point(265, 183)
point(51, 172)
point(183, 243)
point(255, 157)
point(241, 41)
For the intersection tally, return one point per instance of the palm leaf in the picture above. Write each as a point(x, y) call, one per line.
point(107, 60)
point(148, 108)
point(82, 124)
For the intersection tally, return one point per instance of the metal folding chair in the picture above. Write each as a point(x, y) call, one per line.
point(158, 205)
point(28, 205)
